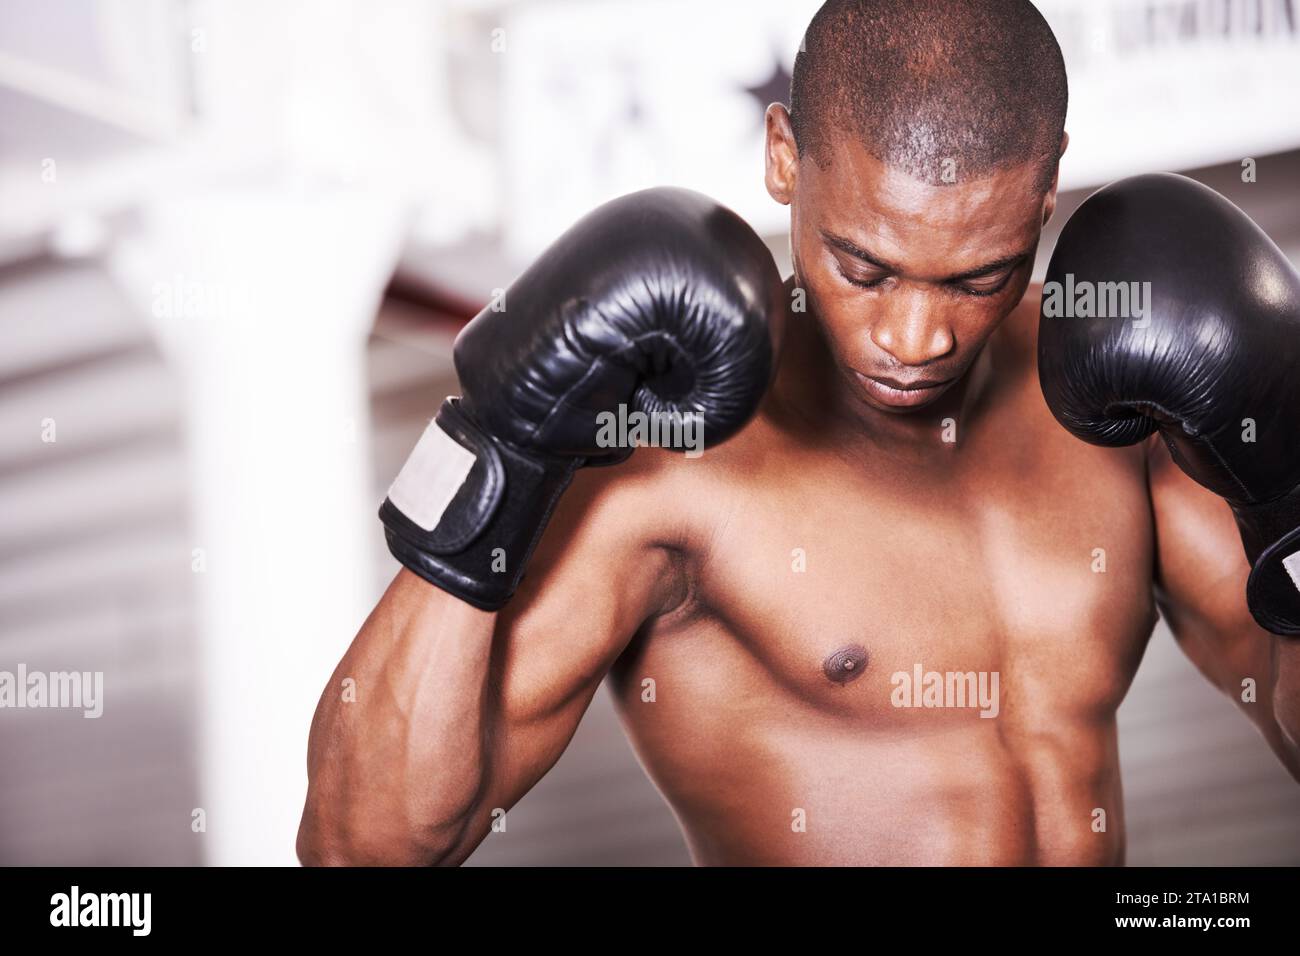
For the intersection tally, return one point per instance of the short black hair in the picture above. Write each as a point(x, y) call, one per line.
point(977, 83)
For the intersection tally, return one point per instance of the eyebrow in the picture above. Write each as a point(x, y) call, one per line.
point(857, 252)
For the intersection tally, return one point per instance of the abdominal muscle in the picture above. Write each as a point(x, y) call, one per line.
point(774, 780)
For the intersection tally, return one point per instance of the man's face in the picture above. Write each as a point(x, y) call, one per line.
point(907, 280)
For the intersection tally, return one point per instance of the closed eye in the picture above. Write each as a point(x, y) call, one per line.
point(846, 273)
point(985, 286)
point(863, 283)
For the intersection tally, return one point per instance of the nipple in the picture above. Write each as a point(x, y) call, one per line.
point(845, 665)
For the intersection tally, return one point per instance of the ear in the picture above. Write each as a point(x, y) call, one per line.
point(1049, 201)
point(781, 156)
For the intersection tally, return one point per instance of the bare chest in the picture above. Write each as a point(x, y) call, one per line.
point(1022, 586)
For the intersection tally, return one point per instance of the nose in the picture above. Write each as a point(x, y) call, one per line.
point(911, 332)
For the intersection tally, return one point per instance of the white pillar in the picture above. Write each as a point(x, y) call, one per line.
point(264, 300)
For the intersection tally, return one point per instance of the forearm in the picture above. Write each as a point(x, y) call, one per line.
point(1273, 707)
point(397, 758)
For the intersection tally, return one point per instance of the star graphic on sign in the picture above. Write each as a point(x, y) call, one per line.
point(774, 89)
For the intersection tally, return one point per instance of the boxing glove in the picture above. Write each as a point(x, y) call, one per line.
point(1208, 354)
point(661, 302)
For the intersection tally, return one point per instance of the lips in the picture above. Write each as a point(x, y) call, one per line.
point(902, 393)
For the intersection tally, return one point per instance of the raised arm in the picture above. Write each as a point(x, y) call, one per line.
point(1201, 574)
point(658, 308)
point(441, 715)
point(1172, 314)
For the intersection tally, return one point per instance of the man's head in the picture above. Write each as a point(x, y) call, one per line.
point(919, 158)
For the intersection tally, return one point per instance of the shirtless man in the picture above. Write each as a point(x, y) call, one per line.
point(902, 502)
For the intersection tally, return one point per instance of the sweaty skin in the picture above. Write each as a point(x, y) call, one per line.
point(752, 606)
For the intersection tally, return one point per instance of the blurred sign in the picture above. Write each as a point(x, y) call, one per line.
point(604, 98)
point(1175, 84)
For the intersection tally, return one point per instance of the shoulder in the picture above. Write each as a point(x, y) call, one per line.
point(664, 497)
point(644, 519)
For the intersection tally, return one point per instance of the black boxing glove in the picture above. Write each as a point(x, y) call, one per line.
point(662, 302)
point(1214, 348)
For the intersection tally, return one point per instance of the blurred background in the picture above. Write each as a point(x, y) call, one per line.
point(236, 241)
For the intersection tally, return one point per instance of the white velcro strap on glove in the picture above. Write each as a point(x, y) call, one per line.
point(432, 475)
point(1292, 564)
